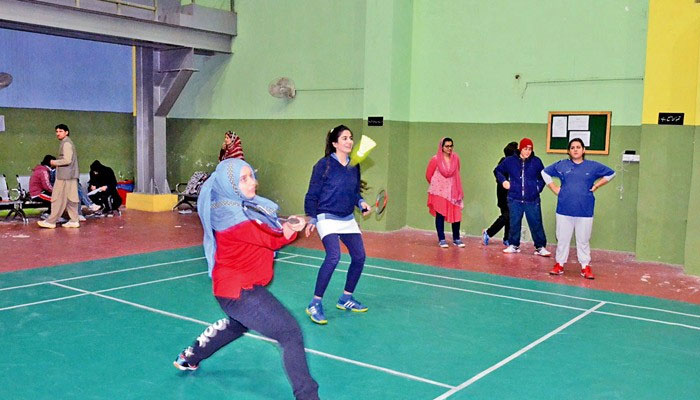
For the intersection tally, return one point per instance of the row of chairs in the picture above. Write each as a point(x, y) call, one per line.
point(18, 199)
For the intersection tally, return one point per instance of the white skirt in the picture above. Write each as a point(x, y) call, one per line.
point(329, 223)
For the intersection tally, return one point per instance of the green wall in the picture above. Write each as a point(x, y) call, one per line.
point(569, 55)
point(30, 134)
point(667, 167)
point(319, 44)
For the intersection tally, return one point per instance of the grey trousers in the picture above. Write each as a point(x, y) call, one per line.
point(64, 198)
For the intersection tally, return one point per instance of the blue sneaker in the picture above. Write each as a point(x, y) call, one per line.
point(443, 244)
point(315, 312)
point(350, 304)
point(459, 243)
point(182, 364)
point(485, 237)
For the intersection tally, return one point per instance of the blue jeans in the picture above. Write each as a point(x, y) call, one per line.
point(533, 213)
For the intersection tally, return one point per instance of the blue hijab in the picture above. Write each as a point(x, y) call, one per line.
point(219, 203)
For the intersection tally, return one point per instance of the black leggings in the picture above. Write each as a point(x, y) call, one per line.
point(440, 227)
point(259, 310)
point(503, 221)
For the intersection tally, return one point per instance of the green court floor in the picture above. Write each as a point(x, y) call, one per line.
point(110, 329)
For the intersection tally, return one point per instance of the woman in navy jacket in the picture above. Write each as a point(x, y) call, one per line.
point(521, 175)
point(334, 192)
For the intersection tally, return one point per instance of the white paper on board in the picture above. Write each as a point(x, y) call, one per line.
point(559, 127)
point(2, 123)
point(578, 122)
point(583, 135)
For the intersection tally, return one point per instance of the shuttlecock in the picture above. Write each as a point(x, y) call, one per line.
point(362, 150)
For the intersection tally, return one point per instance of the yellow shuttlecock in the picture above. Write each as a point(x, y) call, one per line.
point(361, 151)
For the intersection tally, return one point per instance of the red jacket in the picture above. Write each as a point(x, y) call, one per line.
point(244, 258)
point(40, 181)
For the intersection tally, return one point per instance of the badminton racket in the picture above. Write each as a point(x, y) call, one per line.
point(268, 217)
point(380, 203)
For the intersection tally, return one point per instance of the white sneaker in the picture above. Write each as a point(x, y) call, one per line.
point(543, 252)
point(94, 207)
point(511, 249)
point(45, 224)
point(81, 218)
point(71, 224)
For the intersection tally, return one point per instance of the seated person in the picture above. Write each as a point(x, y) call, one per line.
point(232, 147)
point(104, 185)
point(40, 186)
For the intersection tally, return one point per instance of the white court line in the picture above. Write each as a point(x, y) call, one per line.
point(511, 297)
point(118, 271)
point(511, 287)
point(320, 353)
point(40, 302)
point(110, 289)
point(285, 259)
point(99, 291)
point(516, 354)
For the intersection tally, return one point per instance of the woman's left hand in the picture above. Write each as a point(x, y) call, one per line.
point(299, 225)
point(366, 208)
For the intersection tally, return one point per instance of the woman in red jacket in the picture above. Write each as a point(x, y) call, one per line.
point(240, 256)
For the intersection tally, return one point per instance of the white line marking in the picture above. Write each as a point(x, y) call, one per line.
point(118, 271)
point(697, 328)
point(40, 302)
point(341, 270)
point(511, 287)
point(516, 354)
point(312, 351)
point(509, 297)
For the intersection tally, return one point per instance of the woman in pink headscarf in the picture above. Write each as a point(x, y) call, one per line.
point(445, 191)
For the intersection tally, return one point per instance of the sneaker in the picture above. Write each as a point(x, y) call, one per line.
point(45, 224)
point(44, 215)
point(350, 304)
point(182, 364)
point(315, 312)
point(94, 207)
point(81, 218)
point(587, 273)
point(557, 270)
point(485, 237)
point(443, 244)
point(71, 224)
point(459, 243)
point(511, 249)
point(543, 252)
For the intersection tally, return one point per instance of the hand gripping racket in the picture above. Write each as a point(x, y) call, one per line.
point(380, 202)
point(255, 212)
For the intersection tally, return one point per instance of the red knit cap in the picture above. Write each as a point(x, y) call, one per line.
point(524, 143)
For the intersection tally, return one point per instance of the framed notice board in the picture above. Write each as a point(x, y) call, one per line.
point(593, 127)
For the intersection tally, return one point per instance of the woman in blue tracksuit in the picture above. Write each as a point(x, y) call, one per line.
point(334, 192)
point(575, 203)
point(520, 174)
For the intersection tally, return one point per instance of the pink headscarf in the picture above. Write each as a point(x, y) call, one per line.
point(451, 172)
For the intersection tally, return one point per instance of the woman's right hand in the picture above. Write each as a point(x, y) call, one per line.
point(310, 228)
point(506, 185)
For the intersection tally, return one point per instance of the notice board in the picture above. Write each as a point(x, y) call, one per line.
point(593, 127)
